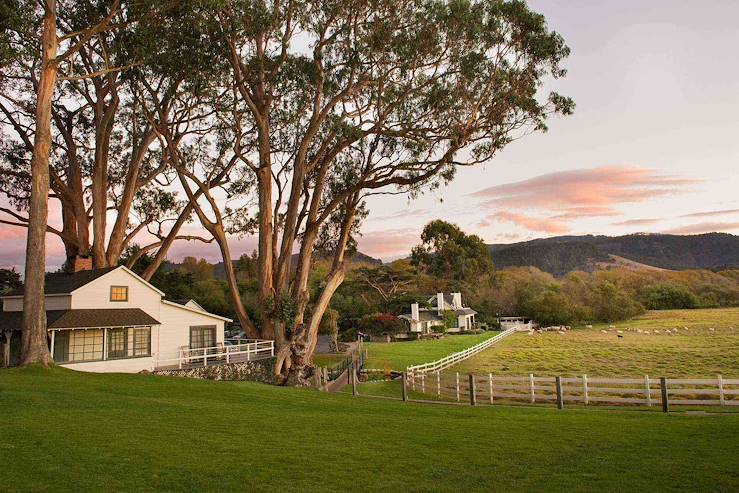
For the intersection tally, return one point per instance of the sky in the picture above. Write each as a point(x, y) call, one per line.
point(653, 145)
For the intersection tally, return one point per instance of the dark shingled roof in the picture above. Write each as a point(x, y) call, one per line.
point(65, 283)
point(83, 318)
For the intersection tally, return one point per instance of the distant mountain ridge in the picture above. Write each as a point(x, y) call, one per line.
point(562, 254)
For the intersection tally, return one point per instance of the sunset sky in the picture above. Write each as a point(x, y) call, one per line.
point(653, 145)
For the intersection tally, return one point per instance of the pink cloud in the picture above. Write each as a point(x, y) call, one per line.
point(388, 243)
point(637, 222)
point(706, 227)
point(713, 213)
point(593, 190)
point(544, 225)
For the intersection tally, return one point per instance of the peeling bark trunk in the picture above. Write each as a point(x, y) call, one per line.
point(34, 345)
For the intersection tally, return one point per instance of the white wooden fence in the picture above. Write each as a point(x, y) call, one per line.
point(241, 350)
point(487, 389)
point(454, 358)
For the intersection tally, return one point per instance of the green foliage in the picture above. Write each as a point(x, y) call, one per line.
point(549, 306)
point(282, 308)
point(450, 320)
point(668, 297)
point(378, 324)
point(447, 252)
point(9, 280)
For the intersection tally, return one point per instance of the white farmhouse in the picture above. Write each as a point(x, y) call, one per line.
point(112, 320)
point(421, 320)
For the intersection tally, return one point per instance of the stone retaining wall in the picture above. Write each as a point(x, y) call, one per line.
point(253, 371)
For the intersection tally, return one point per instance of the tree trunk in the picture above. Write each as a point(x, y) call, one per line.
point(34, 346)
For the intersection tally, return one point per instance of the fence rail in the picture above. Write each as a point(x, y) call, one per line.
point(454, 358)
point(241, 350)
point(586, 390)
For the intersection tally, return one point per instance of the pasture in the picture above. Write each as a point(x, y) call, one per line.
point(701, 343)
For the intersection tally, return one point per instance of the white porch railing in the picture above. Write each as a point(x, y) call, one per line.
point(454, 358)
point(241, 350)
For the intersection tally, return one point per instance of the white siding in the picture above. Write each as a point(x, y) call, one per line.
point(97, 294)
point(51, 303)
point(175, 329)
point(132, 365)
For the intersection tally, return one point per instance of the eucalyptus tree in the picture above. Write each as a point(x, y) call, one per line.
point(106, 163)
point(325, 103)
point(52, 51)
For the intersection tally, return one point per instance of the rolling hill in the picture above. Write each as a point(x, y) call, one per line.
point(561, 254)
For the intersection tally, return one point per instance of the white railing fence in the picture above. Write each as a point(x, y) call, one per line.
point(454, 358)
point(487, 389)
point(239, 350)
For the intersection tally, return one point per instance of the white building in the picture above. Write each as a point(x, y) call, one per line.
point(422, 320)
point(112, 320)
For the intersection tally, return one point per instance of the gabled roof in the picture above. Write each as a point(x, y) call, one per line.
point(448, 299)
point(83, 318)
point(60, 283)
point(65, 283)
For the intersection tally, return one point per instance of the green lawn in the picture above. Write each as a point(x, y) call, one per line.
point(65, 431)
point(328, 360)
point(696, 351)
point(400, 355)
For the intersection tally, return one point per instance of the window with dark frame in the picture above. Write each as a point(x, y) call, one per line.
point(202, 336)
point(117, 343)
point(61, 346)
point(142, 341)
point(119, 293)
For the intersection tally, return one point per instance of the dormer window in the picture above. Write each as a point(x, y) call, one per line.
point(119, 293)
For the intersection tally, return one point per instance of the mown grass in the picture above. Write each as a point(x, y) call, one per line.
point(400, 355)
point(694, 351)
point(328, 360)
point(65, 431)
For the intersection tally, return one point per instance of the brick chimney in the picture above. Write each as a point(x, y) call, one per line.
point(79, 263)
point(439, 303)
point(414, 311)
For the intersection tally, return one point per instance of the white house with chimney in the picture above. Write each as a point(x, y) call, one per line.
point(112, 320)
point(422, 320)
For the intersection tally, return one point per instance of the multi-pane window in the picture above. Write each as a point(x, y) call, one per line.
point(142, 341)
point(117, 343)
point(85, 345)
point(119, 293)
point(202, 336)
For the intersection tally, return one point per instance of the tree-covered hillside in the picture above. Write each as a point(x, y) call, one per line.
point(562, 254)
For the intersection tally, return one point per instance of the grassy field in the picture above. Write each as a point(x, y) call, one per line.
point(65, 431)
point(695, 351)
point(400, 355)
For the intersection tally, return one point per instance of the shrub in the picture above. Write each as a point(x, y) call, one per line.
point(668, 296)
point(381, 323)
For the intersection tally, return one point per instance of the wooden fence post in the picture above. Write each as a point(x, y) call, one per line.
point(720, 390)
point(560, 398)
point(585, 397)
point(490, 386)
point(531, 386)
point(405, 386)
point(473, 393)
point(457, 386)
point(423, 383)
point(647, 390)
point(354, 381)
point(665, 400)
point(413, 381)
point(438, 384)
